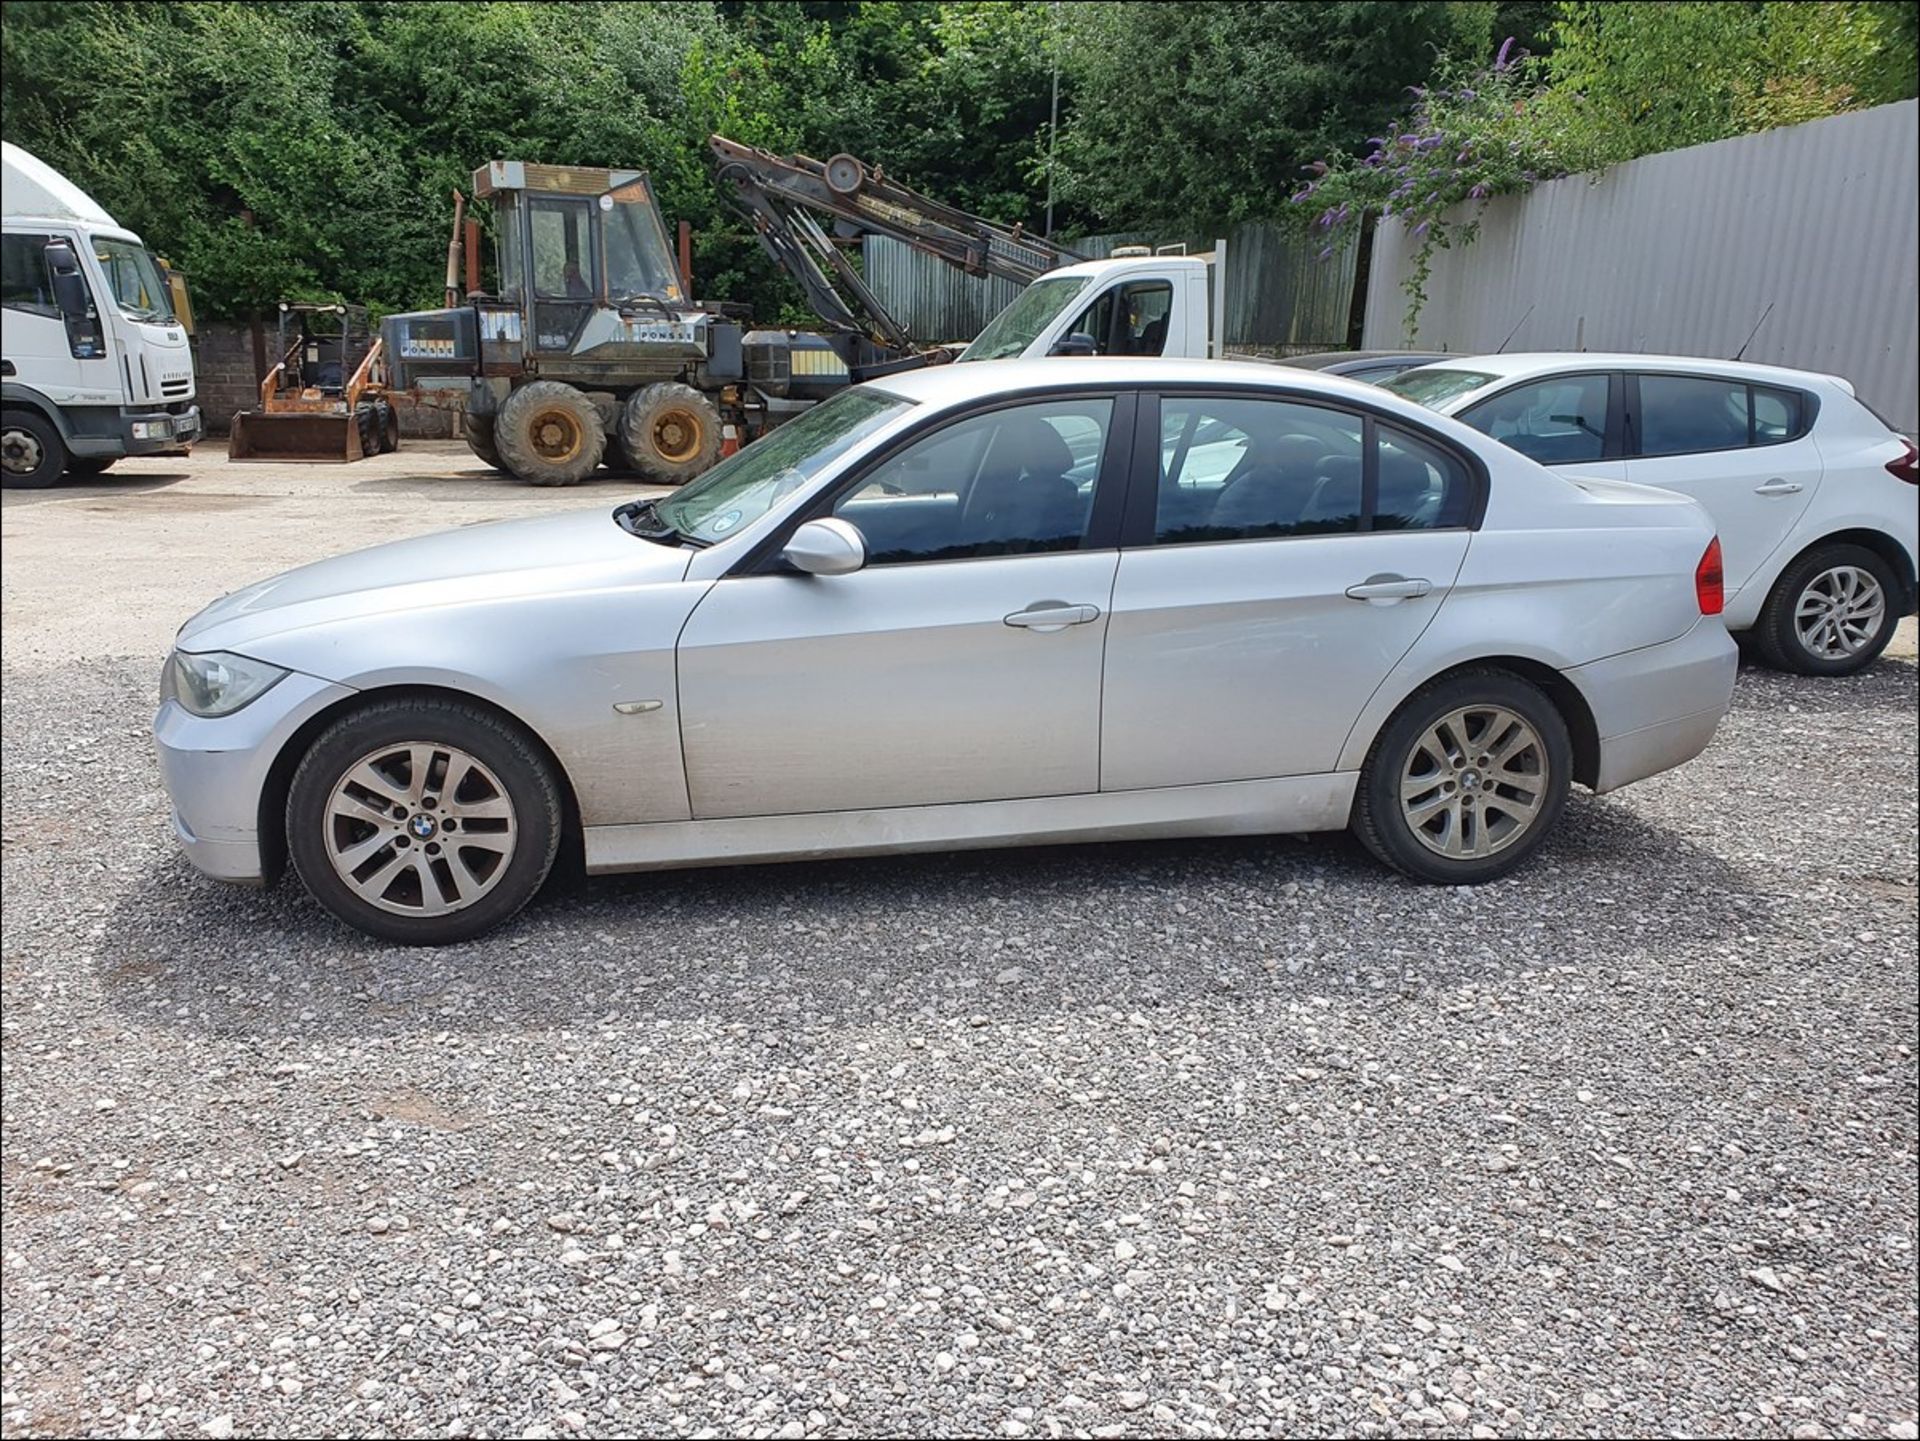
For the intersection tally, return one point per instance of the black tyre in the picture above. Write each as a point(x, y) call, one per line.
point(478, 430)
point(423, 821)
point(670, 432)
point(1466, 780)
point(32, 455)
point(85, 465)
point(368, 425)
point(548, 433)
point(1831, 612)
point(386, 423)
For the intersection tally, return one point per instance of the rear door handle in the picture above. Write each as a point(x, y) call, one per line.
point(1386, 589)
point(1053, 615)
point(1777, 486)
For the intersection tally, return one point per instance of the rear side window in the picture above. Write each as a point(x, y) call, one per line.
point(1556, 421)
point(1683, 414)
point(1421, 486)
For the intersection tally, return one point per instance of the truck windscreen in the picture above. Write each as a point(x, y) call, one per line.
point(135, 280)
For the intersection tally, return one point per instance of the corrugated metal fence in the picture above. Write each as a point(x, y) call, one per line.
point(1282, 298)
point(1683, 253)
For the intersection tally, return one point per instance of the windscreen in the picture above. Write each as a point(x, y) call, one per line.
point(1433, 386)
point(744, 487)
point(1033, 310)
point(639, 260)
point(134, 279)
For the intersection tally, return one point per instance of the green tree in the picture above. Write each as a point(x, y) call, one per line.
point(1198, 115)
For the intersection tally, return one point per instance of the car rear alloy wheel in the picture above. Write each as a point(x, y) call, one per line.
point(1831, 613)
point(1839, 613)
point(1466, 779)
point(420, 829)
point(1474, 782)
point(423, 820)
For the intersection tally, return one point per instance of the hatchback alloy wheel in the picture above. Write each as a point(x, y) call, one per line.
point(1839, 612)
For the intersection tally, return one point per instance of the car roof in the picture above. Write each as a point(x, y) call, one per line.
point(1547, 362)
point(1321, 359)
point(951, 384)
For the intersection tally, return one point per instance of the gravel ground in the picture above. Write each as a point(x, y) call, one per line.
point(1225, 1138)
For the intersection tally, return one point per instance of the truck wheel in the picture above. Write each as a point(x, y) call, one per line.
point(32, 455)
point(549, 433)
point(84, 465)
point(670, 431)
point(478, 430)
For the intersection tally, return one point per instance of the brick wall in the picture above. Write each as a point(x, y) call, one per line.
point(226, 381)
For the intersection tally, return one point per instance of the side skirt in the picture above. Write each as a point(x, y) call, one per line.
point(1235, 808)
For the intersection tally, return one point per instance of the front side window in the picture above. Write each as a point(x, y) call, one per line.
point(639, 260)
point(1682, 413)
point(562, 249)
point(746, 485)
point(1556, 421)
point(1011, 331)
point(134, 280)
point(1128, 319)
point(25, 282)
point(1016, 481)
point(1242, 469)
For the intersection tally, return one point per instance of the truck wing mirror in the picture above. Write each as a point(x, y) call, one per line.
point(69, 286)
point(1079, 343)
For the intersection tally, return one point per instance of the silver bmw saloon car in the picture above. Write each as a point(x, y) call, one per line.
point(963, 606)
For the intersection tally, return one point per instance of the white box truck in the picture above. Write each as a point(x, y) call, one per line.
point(94, 358)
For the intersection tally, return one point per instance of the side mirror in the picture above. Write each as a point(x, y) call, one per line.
point(826, 547)
point(1079, 343)
point(69, 286)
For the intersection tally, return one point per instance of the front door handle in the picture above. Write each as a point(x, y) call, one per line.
point(1046, 615)
point(1389, 589)
point(1778, 486)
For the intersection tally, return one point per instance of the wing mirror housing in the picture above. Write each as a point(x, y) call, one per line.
point(69, 287)
point(1079, 343)
point(826, 547)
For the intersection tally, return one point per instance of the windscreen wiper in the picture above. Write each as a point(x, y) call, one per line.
point(642, 518)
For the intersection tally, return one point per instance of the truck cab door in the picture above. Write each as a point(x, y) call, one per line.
point(60, 352)
point(1129, 317)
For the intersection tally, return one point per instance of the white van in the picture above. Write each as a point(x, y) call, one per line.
point(94, 359)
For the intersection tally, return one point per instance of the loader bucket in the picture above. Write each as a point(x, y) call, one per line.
point(257, 435)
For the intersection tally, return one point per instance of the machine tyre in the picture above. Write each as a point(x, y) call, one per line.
point(387, 425)
point(478, 430)
point(548, 433)
point(85, 465)
point(670, 432)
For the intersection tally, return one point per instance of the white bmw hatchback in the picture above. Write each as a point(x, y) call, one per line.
point(966, 606)
point(1814, 496)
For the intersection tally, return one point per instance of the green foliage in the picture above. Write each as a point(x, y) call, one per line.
point(1199, 115)
point(1624, 80)
point(310, 149)
point(1658, 77)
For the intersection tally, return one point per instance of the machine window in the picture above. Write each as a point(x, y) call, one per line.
point(562, 249)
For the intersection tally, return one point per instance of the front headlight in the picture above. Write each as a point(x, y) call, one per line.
point(219, 683)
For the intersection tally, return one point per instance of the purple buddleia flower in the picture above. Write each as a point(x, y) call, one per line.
point(1420, 229)
point(1469, 95)
point(1506, 49)
point(1479, 192)
point(1327, 254)
point(1319, 167)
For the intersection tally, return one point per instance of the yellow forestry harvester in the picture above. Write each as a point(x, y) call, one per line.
point(326, 399)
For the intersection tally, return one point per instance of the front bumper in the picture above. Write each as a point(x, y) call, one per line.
point(1659, 706)
point(215, 771)
point(140, 432)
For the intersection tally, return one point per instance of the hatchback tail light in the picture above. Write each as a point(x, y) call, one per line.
point(1710, 581)
point(1907, 467)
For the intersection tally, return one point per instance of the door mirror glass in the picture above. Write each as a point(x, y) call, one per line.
point(1075, 344)
point(826, 547)
point(69, 286)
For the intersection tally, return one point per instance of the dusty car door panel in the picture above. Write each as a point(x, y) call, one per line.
point(894, 686)
point(1282, 558)
point(1233, 662)
point(962, 663)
